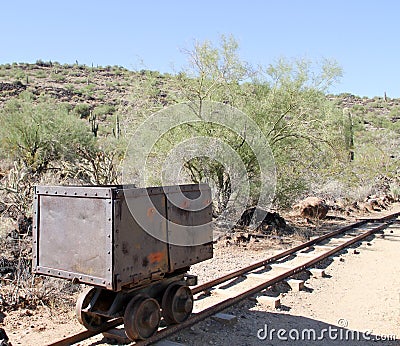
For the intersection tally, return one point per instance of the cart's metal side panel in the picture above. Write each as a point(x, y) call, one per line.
point(141, 253)
point(35, 260)
point(189, 213)
point(74, 236)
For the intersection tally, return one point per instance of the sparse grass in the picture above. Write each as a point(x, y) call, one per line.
point(40, 74)
point(360, 193)
point(395, 191)
point(6, 226)
point(81, 80)
point(19, 75)
point(70, 87)
point(394, 112)
point(104, 110)
point(58, 77)
point(19, 288)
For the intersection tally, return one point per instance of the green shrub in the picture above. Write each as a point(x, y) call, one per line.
point(378, 104)
point(100, 96)
point(58, 77)
point(104, 110)
point(87, 90)
point(81, 80)
point(82, 110)
point(70, 87)
point(19, 75)
point(41, 133)
point(395, 112)
point(40, 74)
point(378, 121)
point(358, 109)
point(110, 84)
point(395, 191)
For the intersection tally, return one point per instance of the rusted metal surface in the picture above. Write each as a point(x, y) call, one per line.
point(118, 237)
point(73, 235)
point(189, 228)
point(137, 254)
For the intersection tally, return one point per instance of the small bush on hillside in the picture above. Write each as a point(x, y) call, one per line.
point(378, 104)
point(82, 110)
point(395, 112)
point(58, 77)
point(19, 75)
point(358, 109)
point(104, 110)
point(40, 74)
point(88, 90)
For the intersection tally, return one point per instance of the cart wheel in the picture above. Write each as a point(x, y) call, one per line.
point(89, 320)
point(177, 303)
point(142, 317)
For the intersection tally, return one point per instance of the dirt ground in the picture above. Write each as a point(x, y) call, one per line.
point(361, 293)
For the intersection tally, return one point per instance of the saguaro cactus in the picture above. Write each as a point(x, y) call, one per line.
point(93, 123)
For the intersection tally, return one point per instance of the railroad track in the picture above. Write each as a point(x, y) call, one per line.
point(227, 290)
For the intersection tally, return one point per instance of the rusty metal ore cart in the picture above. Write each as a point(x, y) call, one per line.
point(132, 246)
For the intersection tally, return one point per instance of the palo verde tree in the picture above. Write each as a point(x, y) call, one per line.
point(214, 73)
point(286, 99)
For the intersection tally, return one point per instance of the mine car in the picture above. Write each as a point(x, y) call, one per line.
point(132, 248)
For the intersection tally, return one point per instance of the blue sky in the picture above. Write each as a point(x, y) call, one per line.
point(363, 36)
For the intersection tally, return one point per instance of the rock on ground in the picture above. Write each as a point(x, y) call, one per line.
point(312, 208)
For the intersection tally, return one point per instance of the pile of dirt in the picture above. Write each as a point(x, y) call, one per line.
point(258, 223)
point(371, 204)
point(312, 208)
point(264, 221)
